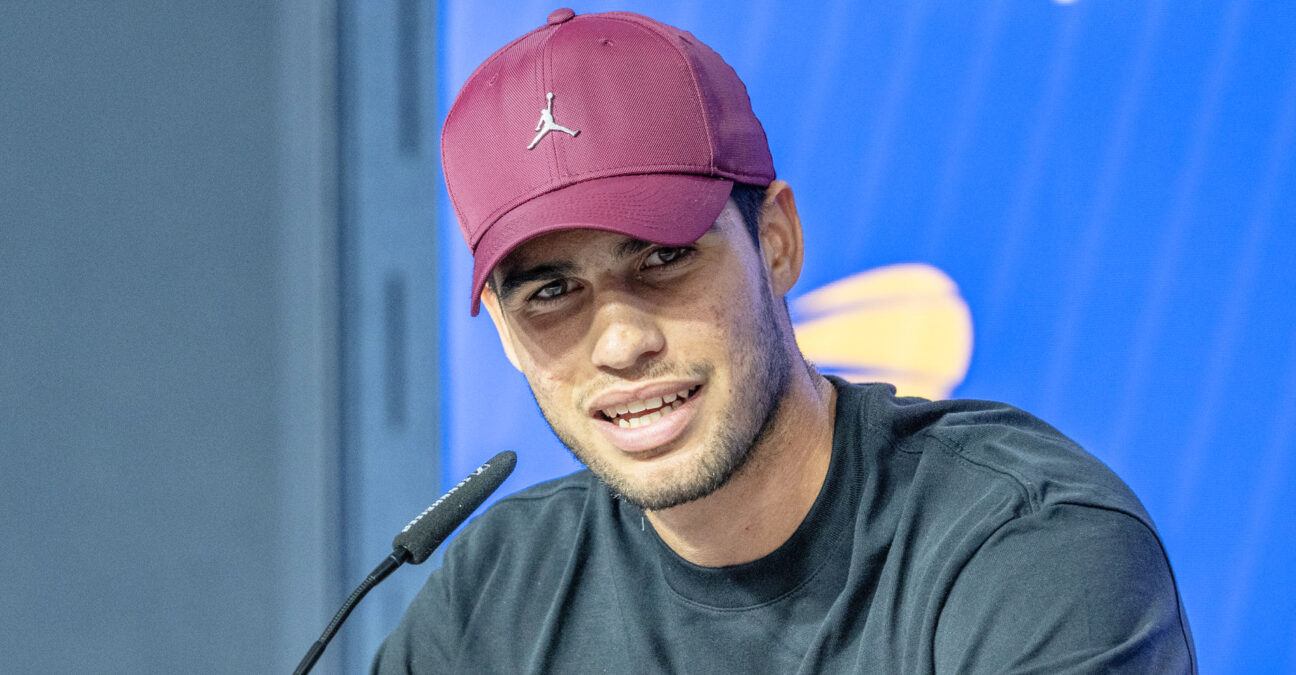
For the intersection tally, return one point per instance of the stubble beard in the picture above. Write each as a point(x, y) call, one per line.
point(760, 382)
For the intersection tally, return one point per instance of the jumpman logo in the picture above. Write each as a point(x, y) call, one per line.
point(547, 124)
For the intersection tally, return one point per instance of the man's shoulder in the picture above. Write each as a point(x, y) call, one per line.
point(543, 509)
point(555, 492)
point(988, 443)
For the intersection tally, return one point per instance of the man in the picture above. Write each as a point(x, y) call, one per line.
point(741, 512)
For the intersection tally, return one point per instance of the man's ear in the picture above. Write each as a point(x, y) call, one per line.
point(780, 237)
point(491, 302)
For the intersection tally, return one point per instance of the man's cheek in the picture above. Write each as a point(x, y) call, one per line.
point(553, 339)
point(550, 387)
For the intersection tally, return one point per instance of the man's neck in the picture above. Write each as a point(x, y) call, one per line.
point(765, 501)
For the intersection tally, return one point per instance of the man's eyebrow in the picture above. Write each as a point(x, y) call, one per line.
point(630, 247)
point(516, 278)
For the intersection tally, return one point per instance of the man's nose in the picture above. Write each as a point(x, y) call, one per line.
point(624, 335)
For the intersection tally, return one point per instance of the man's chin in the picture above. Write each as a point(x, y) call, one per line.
point(660, 498)
point(672, 478)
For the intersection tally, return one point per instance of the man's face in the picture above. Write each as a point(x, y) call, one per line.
point(658, 367)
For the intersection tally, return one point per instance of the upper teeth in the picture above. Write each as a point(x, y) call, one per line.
point(666, 404)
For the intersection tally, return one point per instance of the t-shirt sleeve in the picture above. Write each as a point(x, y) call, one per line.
point(1067, 589)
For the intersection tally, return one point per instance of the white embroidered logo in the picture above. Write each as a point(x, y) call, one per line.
point(547, 124)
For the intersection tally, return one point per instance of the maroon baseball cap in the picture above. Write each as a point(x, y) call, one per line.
point(604, 121)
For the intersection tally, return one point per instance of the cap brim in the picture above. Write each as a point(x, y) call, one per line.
point(663, 208)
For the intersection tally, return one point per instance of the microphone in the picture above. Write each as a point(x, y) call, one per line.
point(420, 538)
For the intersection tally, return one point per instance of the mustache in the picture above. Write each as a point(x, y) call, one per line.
point(649, 370)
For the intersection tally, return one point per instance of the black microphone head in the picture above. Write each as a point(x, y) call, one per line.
point(426, 532)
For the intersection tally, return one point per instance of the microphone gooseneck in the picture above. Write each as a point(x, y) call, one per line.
point(420, 538)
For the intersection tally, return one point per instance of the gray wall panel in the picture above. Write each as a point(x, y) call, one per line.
point(154, 341)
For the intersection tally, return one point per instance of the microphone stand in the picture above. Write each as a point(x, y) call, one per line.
point(384, 568)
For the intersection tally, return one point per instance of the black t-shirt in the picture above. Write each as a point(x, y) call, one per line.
point(949, 537)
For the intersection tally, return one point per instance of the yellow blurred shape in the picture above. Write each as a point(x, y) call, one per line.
point(904, 324)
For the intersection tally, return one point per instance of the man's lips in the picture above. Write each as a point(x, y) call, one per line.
point(629, 403)
point(658, 417)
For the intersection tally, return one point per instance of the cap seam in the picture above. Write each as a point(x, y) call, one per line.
point(546, 68)
point(688, 65)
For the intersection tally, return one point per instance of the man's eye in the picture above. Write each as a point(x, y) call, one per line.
point(552, 290)
point(667, 255)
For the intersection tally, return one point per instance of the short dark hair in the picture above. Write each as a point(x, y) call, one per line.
point(749, 199)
